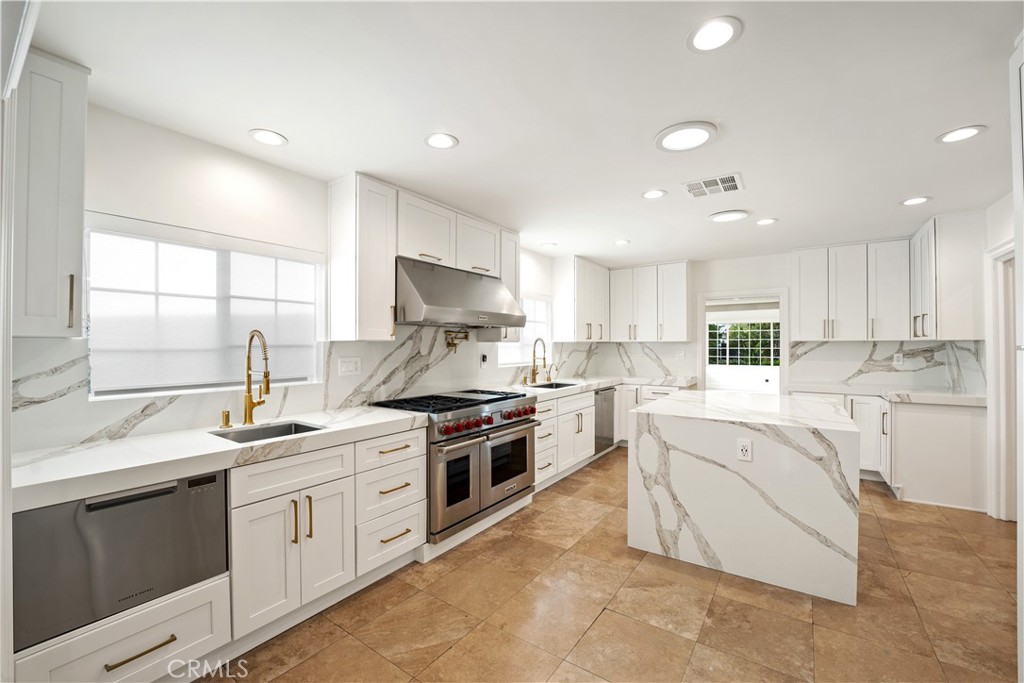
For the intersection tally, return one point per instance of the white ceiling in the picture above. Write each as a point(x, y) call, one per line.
point(828, 110)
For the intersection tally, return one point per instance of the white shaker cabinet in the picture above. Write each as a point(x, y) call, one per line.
point(947, 278)
point(634, 304)
point(673, 298)
point(922, 282)
point(478, 246)
point(830, 293)
point(889, 290)
point(866, 412)
point(328, 539)
point(50, 106)
point(575, 437)
point(627, 397)
point(362, 246)
point(580, 301)
point(810, 295)
point(426, 231)
point(510, 276)
point(621, 300)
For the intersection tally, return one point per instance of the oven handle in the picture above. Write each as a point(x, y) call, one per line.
point(444, 450)
point(526, 426)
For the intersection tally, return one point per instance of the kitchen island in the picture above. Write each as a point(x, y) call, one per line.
point(787, 517)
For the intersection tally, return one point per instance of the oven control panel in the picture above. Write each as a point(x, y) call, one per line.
point(458, 426)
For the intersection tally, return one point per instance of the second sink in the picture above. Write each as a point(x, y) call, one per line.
point(553, 385)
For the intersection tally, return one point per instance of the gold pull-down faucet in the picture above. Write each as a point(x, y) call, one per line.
point(264, 387)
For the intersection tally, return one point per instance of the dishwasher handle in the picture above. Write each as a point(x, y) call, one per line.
point(131, 496)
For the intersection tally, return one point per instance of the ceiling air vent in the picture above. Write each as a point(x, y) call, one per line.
point(710, 186)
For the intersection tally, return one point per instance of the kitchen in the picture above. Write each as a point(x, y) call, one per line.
point(208, 302)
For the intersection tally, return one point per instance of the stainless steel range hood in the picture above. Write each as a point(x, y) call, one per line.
point(429, 294)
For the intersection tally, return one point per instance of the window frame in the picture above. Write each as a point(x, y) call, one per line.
point(774, 334)
point(522, 344)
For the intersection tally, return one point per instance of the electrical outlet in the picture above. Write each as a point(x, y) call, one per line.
point(897, 360)
point(744, 450)
point(348, 366)
point(483, 360)
point(682, 354)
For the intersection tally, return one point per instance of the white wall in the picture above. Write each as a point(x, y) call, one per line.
point(535, 273)
point(137, 169)
point(741, 274)
point(999, 221)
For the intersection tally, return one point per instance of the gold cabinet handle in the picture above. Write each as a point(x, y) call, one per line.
point(295, 521)
point(885, 430)
point(600, 330)
point(544, 436)
point(832, 333)
point(924, 324)
point(546, 410)
point(397, 488)
point(590, 331)
point(71, 300)
point(481, 269)
point(118, 665)
point(396, 536)
point(431, 256)
point(544, 467)
point(309, 502)
point(403, 447)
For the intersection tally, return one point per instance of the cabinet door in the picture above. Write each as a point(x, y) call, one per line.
point(626, 399)
point(586, 281)
point(510, 276)
point(886, 447)
point(568, 429)
point(867, 414)
point(645, 302)
point(48, 199)
point(265, 565)
point(621, 304)
point(889, 290)
point(922, 282)
point(376, 228)
point(847, 292)
point(601, 304)
point(478, 246)
point(426, 231)
point(328, 537)
point(673, 298)
point(585, 444)
point(810, 295)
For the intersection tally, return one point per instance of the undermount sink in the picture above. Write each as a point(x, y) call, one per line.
point(553, 385)
point(261, 432)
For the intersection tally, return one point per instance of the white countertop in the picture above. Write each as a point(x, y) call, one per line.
point(931, 396)
point(580, 386)
point(746, 408)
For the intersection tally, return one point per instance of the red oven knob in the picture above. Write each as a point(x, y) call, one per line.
point(533, 410)
point(507, 415)
point(457, 427)
point(518, 412)
point(467, 425)
point(446, 430)
point(478, 423)
point(489, 420)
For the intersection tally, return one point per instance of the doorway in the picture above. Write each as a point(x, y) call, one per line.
point(744, 344)
point(1002, 377)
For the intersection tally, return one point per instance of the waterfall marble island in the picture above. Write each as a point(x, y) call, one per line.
point(787, 516)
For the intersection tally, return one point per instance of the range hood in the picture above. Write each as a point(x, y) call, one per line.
point(429, 294)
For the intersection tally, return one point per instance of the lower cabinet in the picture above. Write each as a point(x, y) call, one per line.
point(627, 397)
point(391, 535)
point(141, 646)
point(575, 437)
point(545, 464)
point(289, 550)
point(872, 416)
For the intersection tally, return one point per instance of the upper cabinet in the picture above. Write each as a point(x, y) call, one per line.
point(362, 246)
point(673, 298)
point(946, 277)
point(830, 293)
point(889, 290)
point(49, 197)
point(580, 300)
point(649, 303)
point(426, 231)
point(478, 246)
point(510, 276)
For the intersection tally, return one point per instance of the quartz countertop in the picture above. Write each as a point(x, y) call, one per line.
point(747, 408)
point(935, 396)
point(580, 386)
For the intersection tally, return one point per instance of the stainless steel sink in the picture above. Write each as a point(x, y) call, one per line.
point(553, 385)
point(261, 432)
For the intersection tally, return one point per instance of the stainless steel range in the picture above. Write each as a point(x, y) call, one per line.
point(481, 454)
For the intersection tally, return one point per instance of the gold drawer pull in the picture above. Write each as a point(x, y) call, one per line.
point(397, 488)
point(431, 256)
point(545, 466)
point(544, 436)
point(482, 269)
point(309, 502)
point(295, 521)
point(396, 536)
point(118, 665)
point(546, 410)
point(403, 447)
point(71, 300)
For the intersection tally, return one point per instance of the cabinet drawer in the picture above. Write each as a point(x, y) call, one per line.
point(546, 464)
point(547, 409)
point(389, 488)
point(198, 621)
point(264, 480)
point(546, 434)
point(653, 393)
point(390, 449)
point(577, 402)
point(387, 537)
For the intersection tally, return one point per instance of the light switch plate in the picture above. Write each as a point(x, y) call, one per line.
point(348, 366)
point(897, 360)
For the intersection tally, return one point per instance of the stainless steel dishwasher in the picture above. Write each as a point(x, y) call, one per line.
point(604, 420)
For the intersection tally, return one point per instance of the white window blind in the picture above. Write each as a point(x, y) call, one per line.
point(167, 316)
point(538, 325)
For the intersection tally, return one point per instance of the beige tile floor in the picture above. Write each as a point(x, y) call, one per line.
point(553, 593)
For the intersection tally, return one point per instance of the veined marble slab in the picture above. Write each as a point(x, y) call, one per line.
point(937, 398)
point(789, 517)
point(580, 385)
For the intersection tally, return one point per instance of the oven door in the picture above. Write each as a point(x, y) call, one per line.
point(454, 482)
point(506, 463)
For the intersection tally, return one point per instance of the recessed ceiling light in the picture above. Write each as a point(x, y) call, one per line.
point(914, 201)
point(715, 33)
point(549, 244)
point(729, 216)
point(654, 194)
point(268, 137)
point(959, 134)
point(621, 243)
point(441, 140)
point(767, 221)
point(684, 136)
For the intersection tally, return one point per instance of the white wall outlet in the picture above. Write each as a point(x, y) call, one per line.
point(744, 450)
point(348, 366)
point(897, 360)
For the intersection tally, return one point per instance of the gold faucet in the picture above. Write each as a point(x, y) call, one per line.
point(264, 387)
point(544, 358)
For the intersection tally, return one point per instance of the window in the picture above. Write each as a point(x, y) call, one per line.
point(170, 316)
point(743, 343)
point(538, 325)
